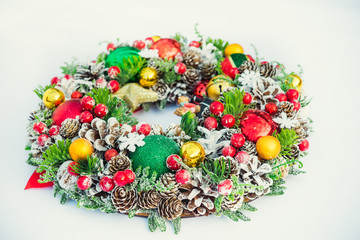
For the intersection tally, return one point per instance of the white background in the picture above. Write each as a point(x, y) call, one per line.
point(39, 36)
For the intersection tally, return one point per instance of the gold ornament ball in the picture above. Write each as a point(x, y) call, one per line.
point(233, 48)
point(192, 153)
point(53, 97)
point(268, 147)
point(217, 85)
point(148, 77)
point(296, 82)
point(80, 149)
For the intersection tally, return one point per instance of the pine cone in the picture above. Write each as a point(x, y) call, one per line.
point(192, 58)
point(169, 179)
point(229, 133)
point(234, 166)
point(148, 199)
point(208, 71)
point(170, 208)
point(175, 132)
point(156, 129)
point(90, 72)
point(249, 147)
point(177, 89)
point(232, 205)
point(70, 128)
point(286, 107)
point(124, 200)
point(162, 89)
point(205, 114)
point(264, 92)
point(302, 129)
point(120, 162)
point(248, 65)
point(294, 153)
point(191, 77)
point(267, 70)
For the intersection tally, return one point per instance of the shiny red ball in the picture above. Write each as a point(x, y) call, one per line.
point(196, 44)
point(247, 98)
point(217, 108)
point(68, 109)
point(101, 110)
point(172, 162)
point(237, 140)
point(210, 123)
point(120, 178)
point(167, 48)
point(292, 94)
point(281, 97)
point(228, 151)
point(228, 121)
point(304, 145)
point(106, 184)
point(76, 95)
point(271, 108)
point(182, 176)
point(87, 102)
point(296, 105)
point(84, 182)
point(113, 86)
point(86, 117)
point(109, 154)
point(130, 175)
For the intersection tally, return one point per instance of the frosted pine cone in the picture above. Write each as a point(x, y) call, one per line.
point(168, 179)
point(294, 153)
point(148, 199)
point(302, 129)
point(156, 129)
point(249, 147)
point(177, 89)
point(192, 58)
point(120, 162)
point(248, 65)
point(286, 107)
point(264, 91)
point(227, 204)
point(170, 208)
point(175, 132)
point(162, 89)
point(191, 77)
point(91, 72)
point(208, 71)
point(268, 70)
point(124, 200)
point(233, 167)
point(70, 128)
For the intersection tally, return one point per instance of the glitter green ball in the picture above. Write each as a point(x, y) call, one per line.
point(154, 154)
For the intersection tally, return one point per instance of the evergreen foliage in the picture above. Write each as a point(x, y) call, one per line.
point(40, 90)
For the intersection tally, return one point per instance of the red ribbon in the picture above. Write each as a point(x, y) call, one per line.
point(34, 181)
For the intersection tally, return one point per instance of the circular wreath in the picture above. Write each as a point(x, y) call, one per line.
point(242, 130)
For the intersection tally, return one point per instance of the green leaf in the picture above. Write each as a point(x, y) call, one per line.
point(64, 198)
point(177, 224)
point(189, 125)
point(129, 68)
point(218, 202)
point(287, 138)
point(218, 43)
point(41, 90)
point(70, 68)
point(247, 207)
point(234, 103)
point(151, 222)
point(241, 216)
point(89, 166)
point(232, 215)
point(160, 222)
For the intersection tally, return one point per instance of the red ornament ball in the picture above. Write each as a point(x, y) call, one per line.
point(217, 108)
point(292, 94)
point(200, 90)
point(87, 102)
point(42, 140)
point(69, 109)
point(71, 170)
point(113, 86)
point(304, 145)
point(180, 68)
point(271, 108)
point(167, 48)
point(100, 83)
point(225, 187)
point(237, 140)
point(76, 95)
point(120, 178)
point(242, 157)
point(233, 72)
point(109, 154)
point(281, 97)
point(210, 123)
point(110, 47)
point(39, 127)
point(172, 162)
point(296, 105)
point(84, 182)
point(86, 117)
point(196, 44)
point(228, 121)
point(106, 184)
point(182, 176)
point(139, 44)
point(144, 129)
point(228, 151)
point(113, 71)
point(247, 98)
point(55, 80)
point(130, 176)
point(54, 131)
point(101, 110)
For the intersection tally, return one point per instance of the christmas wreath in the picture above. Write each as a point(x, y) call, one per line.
point(242, 130)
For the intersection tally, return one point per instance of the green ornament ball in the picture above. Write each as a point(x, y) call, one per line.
point(238, 58)
point(117, 57)
point(154, 154)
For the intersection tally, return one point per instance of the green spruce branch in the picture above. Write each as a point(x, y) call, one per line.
point(70, 68)
point(129, 68)
point(287, 138)
point(216, 169)
point(40, 90)
point(90, 166)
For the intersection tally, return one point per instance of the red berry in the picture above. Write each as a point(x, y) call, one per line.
point(210, 123)
point(228, 151)
point(100, 83)
point(233, 72)
point(237, 140)
point(71, 170)
point(106, 184)
point(292, 94)
point(120, 178)
point(144, 129)
point(264, 62)
point(130, 176)
point(113, 86)
point(109, 154)
point(101, 110)
point(86, 117)
point(139, 44)
point(54, 131)
point(149, 41)
point(182, 176)
point(225, 187)
point(110, 47)
point(84, 182)
point(39, 127)
point(228, 121)
point(67, 76)
point(281, 97)
point(172, 162)
point(55, 80)
point(196, 44)
point(250, 58)
point(180, 68)
point(242, 157)
point(113, 71)
point(296, 105)
point(217, 108)
point(133, 129)
point(87, 102)
point(76, 95)
point(304, 145)
point(271, 108)
point(247, 98)
point(42, 140)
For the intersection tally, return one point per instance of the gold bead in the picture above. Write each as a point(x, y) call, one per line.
point(148, 77)
point(217, 85)
point(192, 153)
point(53, 97)
point(296, 82)
point(268, 147)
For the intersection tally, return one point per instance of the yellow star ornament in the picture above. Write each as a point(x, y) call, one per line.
point(134, 94)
